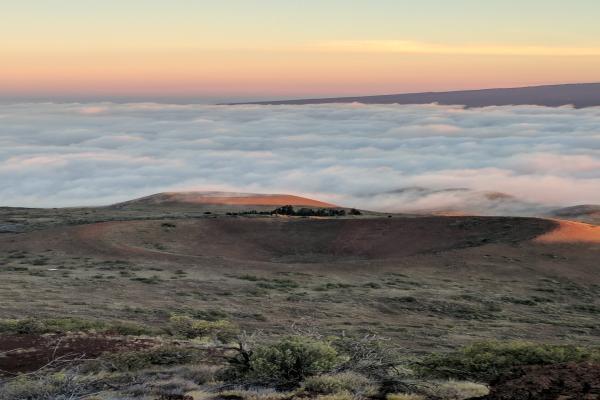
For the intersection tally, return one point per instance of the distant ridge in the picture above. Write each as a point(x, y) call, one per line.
point(223, 198)
point(579, 95)
point(589, 213)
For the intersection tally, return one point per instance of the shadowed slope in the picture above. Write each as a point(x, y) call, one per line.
point(579, 95)
point(589, 213)
point(289, 239)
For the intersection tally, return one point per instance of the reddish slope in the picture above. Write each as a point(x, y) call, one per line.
point(225, 198)
point(571, 232)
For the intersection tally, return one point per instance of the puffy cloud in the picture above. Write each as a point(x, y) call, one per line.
point(385, 157)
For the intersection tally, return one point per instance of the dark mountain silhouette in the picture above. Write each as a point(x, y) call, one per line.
point(579, 95)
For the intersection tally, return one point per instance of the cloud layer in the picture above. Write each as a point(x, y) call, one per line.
point(386, 157)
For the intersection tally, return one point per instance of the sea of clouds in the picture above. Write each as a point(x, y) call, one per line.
point(383, 157)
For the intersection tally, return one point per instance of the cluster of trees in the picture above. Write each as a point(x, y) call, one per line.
point(310, 212)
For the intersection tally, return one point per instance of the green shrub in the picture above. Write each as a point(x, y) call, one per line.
point(22, 326)
point(344, 382)
point(190, 328)
point(337, 396)
point(141, 359)
point(153, 280)
point(404, 396)
point(487, 360)
point(371, 356)
point(35, 326)
point(285, 363)
point(55, 386)
point(55, 325)
point(255, 394)
point(455, 390)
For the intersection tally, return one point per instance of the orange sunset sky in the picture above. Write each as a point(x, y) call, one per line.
point(287, 48)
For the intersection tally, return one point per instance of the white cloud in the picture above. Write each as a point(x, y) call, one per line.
point(353, 154)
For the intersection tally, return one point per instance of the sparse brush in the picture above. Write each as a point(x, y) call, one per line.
point(160, 356)
point(256, 394)
point(163, 388)
point(485, 361)
point(190, 328)
point(372, 356)
point(338, 396)
point(39, 326)
point(404, 396)
point(347, 382)
point(283, 364)
point(65, 385)
point(198, 373)
point(455, 390)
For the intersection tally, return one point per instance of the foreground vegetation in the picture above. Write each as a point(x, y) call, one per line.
point(330, 319)
point(200, 359)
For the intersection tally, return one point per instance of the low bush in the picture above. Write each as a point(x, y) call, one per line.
point(191, 328)
point(280, 284)
point(198, 373)
point(404, 396)
point(455, 390)
point(35, 326)
point(22, 326)
point(171, 388)
point(153, 280)
point(55, 386)
point(283, 364)
point(255, 394)
point(337, 396)
point(487, 360)
point(371, 356)
point(141, 359)
point(344, 382)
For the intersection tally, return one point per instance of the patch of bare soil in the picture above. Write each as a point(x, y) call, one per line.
point(27, 353)
point(571, 232)
point(550, 382)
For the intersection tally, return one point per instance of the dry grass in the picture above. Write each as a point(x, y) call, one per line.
point(456, 390)
point(405, 396)
point(326, 280)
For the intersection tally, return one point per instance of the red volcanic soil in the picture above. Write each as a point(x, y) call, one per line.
point(26, 353)
point(550, 382)
point(225, 198)
point(571, 232)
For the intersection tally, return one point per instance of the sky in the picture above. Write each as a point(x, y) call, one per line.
point(379, 157)
point(237, 49)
